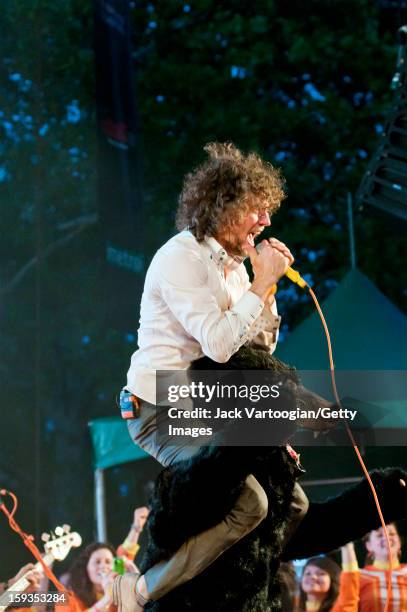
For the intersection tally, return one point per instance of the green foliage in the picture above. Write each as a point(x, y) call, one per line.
point(303, 83)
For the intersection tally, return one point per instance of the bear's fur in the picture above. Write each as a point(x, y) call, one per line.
point(193, 495)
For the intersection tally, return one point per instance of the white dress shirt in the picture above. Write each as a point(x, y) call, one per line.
point(191, 308)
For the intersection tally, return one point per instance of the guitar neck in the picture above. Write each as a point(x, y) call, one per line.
point(22, 583)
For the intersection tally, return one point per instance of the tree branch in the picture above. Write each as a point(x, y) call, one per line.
point(86, 221)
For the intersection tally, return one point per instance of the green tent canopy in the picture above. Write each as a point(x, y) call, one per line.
point(112, 444)
point(367, 331)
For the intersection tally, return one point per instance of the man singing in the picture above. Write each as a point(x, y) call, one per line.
point(198, 300)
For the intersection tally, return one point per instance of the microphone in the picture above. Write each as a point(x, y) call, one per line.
point(295, 277)
point(290, 273)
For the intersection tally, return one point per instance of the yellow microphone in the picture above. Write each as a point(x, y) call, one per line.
point(295, 277)
point(290, 273)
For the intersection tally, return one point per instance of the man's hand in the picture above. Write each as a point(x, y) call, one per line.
point(34, 577)
point(269, 265)
point(283, 248)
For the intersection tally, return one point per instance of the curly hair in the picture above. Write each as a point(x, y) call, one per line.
point(334, 571)
point(225, 188)
point(79, 580)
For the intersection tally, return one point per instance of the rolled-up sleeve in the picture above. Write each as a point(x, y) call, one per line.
point(183, 284)
point(348, 599)
point(265, 330)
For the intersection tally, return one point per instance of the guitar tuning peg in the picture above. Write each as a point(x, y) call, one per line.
point(59, 531)
point(66, 528)
point(45, 537)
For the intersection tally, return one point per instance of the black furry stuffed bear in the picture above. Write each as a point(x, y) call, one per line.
point(196, 494)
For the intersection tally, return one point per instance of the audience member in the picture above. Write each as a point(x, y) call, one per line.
point(374, 576)
point(90, 577)
point(325, 588)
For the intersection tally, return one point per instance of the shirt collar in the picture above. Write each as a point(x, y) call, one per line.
point(312, 605)
point(220, 256)
point(385, 565)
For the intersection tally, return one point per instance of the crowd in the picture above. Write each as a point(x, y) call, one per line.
point(90, 575)
point(324, 585)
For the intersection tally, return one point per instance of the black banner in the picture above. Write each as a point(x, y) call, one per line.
point(119, 184)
